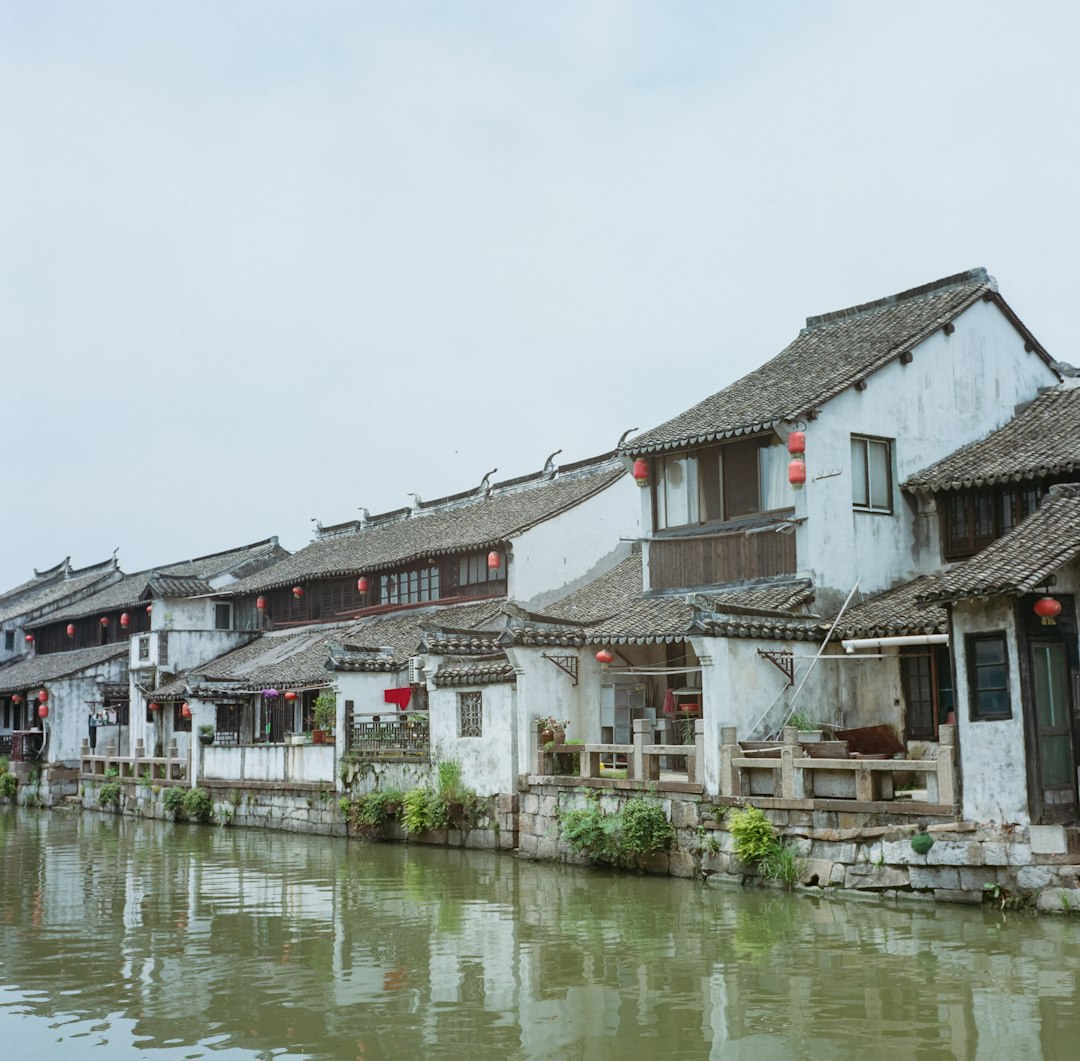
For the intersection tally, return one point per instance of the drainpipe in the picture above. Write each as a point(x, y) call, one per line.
point(855, 643)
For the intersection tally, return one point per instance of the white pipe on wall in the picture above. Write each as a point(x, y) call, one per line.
point(894, 642)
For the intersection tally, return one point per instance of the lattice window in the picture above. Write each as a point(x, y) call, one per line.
point(144, 648)
point(471, 714)
point(162, 649)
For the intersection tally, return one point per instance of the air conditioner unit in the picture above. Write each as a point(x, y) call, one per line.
point(416, 670)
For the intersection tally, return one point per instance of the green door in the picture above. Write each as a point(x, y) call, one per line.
point(1056, 762)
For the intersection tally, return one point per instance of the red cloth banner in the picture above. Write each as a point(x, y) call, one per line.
point(401, 697)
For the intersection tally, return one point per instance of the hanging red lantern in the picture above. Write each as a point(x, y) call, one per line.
point(29, 639)
point(185, 710)
point(43, 711)
point(104, 620)
point(149, 609)
point(796, 442)
point(796, 473)
point(1048, 609)
point(641, 471)
point(605, 656)
point(16, 699)
point(261, 604)
point(125, 620)
point(71, 629)
point(362, 584)
point(154, 705)
point(43, 696)
point(290, 696)
point(494, 561)
point(298, 591)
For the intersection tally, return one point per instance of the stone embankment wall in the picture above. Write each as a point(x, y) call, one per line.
point(866, 853)
point(266, 805)
point(842, 852)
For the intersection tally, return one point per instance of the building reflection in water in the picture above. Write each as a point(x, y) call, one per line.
point(143, 935)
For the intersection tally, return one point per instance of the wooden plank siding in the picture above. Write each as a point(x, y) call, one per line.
point(715, 559)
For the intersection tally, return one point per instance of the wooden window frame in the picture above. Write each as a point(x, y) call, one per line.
point(725, 453)
point(975, 687)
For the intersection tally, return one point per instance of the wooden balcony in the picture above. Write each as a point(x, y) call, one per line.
point(719, 558)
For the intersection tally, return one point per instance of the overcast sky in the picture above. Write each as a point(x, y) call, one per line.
point(263, 262)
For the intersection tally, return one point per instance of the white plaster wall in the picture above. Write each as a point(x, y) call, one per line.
point(573, 548)
point(275, 762)
point(68, 721)
point(993, 754)
point(186, 648)
point(486, 764)
point(182, 614)
point(957, 389)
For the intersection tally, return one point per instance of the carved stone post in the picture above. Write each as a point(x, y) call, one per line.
point(946, 765)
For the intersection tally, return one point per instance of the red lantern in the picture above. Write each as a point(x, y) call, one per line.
point(494, 561)
point(290, 696)
point(29, 639)
point(1048, 609)
point(154, 705)
point(362, 584)
point(796, 473)
point(104, 620)
point(43, 711)
point(641, 471)
point(298, 591)
point(43, 696)
point(16, 699)
point(125, 620)
point(185, 710)
point(796, 442)
point(605, 656)
point(261, 604)
point(149, 609)
point(71, 629)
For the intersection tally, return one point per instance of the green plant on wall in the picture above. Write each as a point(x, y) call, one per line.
point(198, 805)
point(758, 846)
point(622, 838)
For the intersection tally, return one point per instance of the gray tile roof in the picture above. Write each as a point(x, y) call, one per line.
point(279, 661)
point(303, 659)
point(475, 672)
point(38, 670)
point(833, 352)
point(605, 596)
point(473, 522)
point(167, 692)
point(894, 613)
point(1040, 442)
point(170, 587)
point(131, 590)
point(54, 592)
point(1022, 560)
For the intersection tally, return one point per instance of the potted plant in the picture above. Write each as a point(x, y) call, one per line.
point(323, 717)
point(550, 728)
point(206, 735)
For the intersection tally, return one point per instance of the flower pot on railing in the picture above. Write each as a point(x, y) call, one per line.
point(318, 736)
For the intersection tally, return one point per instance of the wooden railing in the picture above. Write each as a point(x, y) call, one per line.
point(170, 767)
point(793, 774)
point(389, 736)
point(714, 559)
point(642, 756)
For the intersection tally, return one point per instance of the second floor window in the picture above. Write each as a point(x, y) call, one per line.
point(972, 519)
point(721, 483)
point(409, 587)
point(871, 474)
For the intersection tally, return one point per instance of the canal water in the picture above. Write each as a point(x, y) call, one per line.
point(123, 939)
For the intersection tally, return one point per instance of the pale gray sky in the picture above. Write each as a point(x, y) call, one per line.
point(261, 262)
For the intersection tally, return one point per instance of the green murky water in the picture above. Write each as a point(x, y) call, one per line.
point(126, 939)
